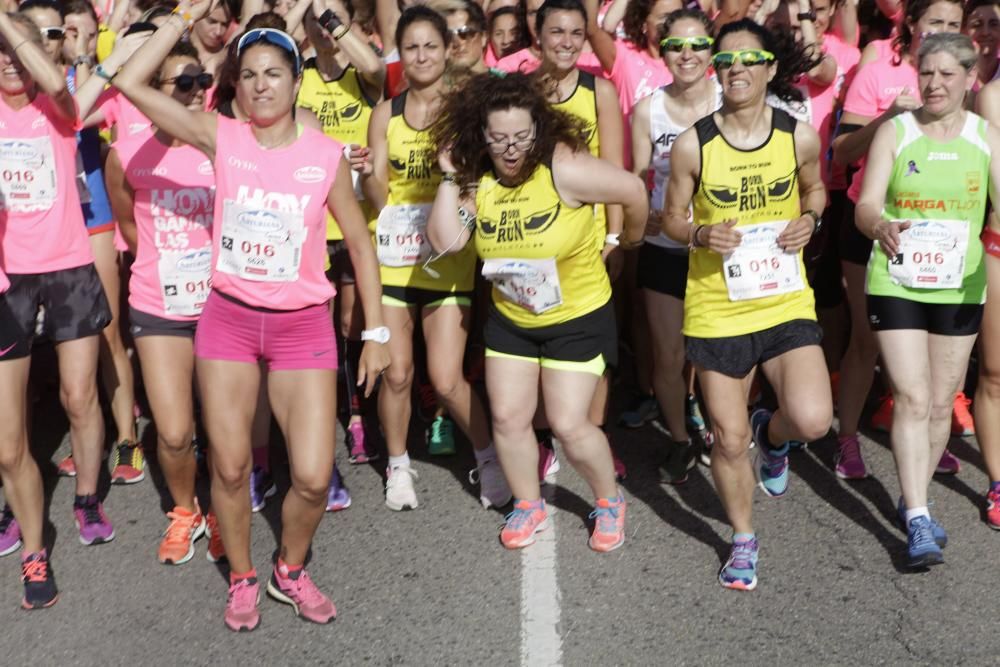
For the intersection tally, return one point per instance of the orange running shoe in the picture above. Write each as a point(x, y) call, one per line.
point(528, 518)
point(962, 423)
point(67, 467)
point(177, 545)
point(609, 524)
point(882, 419)
point(216, 549)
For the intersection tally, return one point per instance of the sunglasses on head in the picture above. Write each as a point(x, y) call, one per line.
point(747, 58)
point(273, 37)
point(185, 82)
point(53, 33)
point(677, 44)
point(464, 32)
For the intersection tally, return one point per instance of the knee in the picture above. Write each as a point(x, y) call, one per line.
point(812, 422)
point(912, 403)
point(12, 454)
point(509, 419)
point(231, 477)
point(311, 486)
point(943, 408)
point(447, 387)
point(79, 398)
point(732, 440)
point(399, 377)
point(989, 381)
point(570, 428)
point(174, 441)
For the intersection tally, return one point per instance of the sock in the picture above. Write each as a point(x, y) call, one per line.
point(261, 458)
point(288, 571)
point(994, 486)
point(534, 504)
point(235, 577)
point(544, 436)
point(915, 512)
point(400, 461)
point(82, 501)
point(744, 537)
point(487, 454)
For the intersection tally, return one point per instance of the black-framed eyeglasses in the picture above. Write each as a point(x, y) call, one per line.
point(502, 146)
point(53, 32)
point(185, 82)
point(464, 32)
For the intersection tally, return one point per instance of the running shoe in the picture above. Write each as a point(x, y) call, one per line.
point(740, 571)
point(261, 488)
point(962, 423)
point(548, 462)
point(337, 496)
point(948, 465)
point(940, 536)
point(216, 549)
point(644, 409)
point(850, 465)
point(681, 457)
point(693, 417)
point(922, 551)
point(242, 614)
point(993, 508)
point(797, 446)
point(705, 450)
point(609, 524)
point(66, 467)
point(441, 436)
point(399, 492)
point(92, 522)
point(493, 488)
point(177, 545)
point(10, 532)
point(882, 419)
point(39, 582)
point(357, 444)
point(771, 465)
point(528, 518)
point(128, 465)
point(297, 589)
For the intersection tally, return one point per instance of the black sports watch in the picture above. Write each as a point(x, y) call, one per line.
point(806, 16)
point(330, 21)
point(817, 220)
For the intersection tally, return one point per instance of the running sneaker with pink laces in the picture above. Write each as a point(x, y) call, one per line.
point(10, 532)
point(529, 517)
point(242, 614)
point(548, 463)
point(357, 445)
point(962, 423)
point(993, 506)
point(609, 524)
point(948, 465)
point(294, 586)
point(128, 464)
point(216, 549)
point(850, 465)
point(177, 545)
point(66, 467)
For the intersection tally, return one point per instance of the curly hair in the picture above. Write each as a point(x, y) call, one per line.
point(791, 58)
point(461, 124)
point(634, 21)
point(915, 10)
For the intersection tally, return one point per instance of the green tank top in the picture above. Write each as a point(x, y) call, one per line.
point(941, 188)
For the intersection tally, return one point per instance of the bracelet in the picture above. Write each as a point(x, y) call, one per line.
point(104, 74)
point(83, 60)
point(330, 21)
point(613, 239)
point(697, 241)
point(449, 177)
point(20, 44)
point(336, 36)
point(185, 16)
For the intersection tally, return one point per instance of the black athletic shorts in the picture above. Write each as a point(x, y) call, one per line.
point(888, 313)
point(855, 247)
point(662, 270)
point(143, 324)
point(73, 301)
point(341, 270)
point(736, 356)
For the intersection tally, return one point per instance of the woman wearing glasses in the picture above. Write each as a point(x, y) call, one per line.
point(399, 175)
point(275, 182)
point(663, 263)
point(520, 183)
point(750, 173)
point(161, 191)
point(48, 16)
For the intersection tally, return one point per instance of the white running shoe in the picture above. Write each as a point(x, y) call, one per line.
point(493, 488)
point(399, 492)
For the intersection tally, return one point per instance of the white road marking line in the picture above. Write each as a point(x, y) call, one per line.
point(541, 644)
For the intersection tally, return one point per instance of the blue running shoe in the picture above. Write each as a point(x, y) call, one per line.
point(740, 571)
point(921, 548)
point(940, 537)
point(337, 496)
point(771, 465)
point(261, 488)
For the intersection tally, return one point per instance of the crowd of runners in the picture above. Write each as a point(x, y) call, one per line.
point(312, 211)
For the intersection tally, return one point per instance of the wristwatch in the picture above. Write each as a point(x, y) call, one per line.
point(378, 334)
point(806, 16)
point(817, 220)
point(83, 60)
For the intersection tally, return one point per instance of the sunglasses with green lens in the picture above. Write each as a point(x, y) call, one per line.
point(677, 44)
point(747, 58)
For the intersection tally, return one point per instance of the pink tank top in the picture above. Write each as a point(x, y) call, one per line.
point(174, 197)
point(270, 217)
point(118, 111)
point(39, 201)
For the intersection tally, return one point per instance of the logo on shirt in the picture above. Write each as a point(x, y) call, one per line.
point(419, 164)
point(206, 169)
point(331, 116)
point(911, 168)
point(309, 174)
point(245, 165)
point(752, 193)
point(941, 156)
point(513, 227)
point(38, 122)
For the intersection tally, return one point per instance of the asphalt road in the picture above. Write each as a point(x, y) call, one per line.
point(434, 586)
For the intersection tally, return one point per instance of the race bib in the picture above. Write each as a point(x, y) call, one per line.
point(263, 245)
point(931, 255)
point(532, 284)
point(759, 267)
point(27, 174)
point(401, 233)
point(185, 280)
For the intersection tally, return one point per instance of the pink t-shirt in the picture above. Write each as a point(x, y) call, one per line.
point(875, 87)
point(846, 57)
point(636, 75)
point(270, 217)
point(524, 61)
point(489, 57)
point(119, 111)
point(174, 202)
point(39, 201)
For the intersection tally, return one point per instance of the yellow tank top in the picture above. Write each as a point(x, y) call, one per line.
point(531, 222)
point(583, 104)
point(343, 110)
point(414, 176)
point(753, 186)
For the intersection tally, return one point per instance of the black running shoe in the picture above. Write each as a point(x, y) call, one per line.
point(39, 582)
point(680, 459)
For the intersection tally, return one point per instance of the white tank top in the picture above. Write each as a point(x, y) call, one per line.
point(663, 131)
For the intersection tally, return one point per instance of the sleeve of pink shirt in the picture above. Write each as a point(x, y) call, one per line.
point(107, 105)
